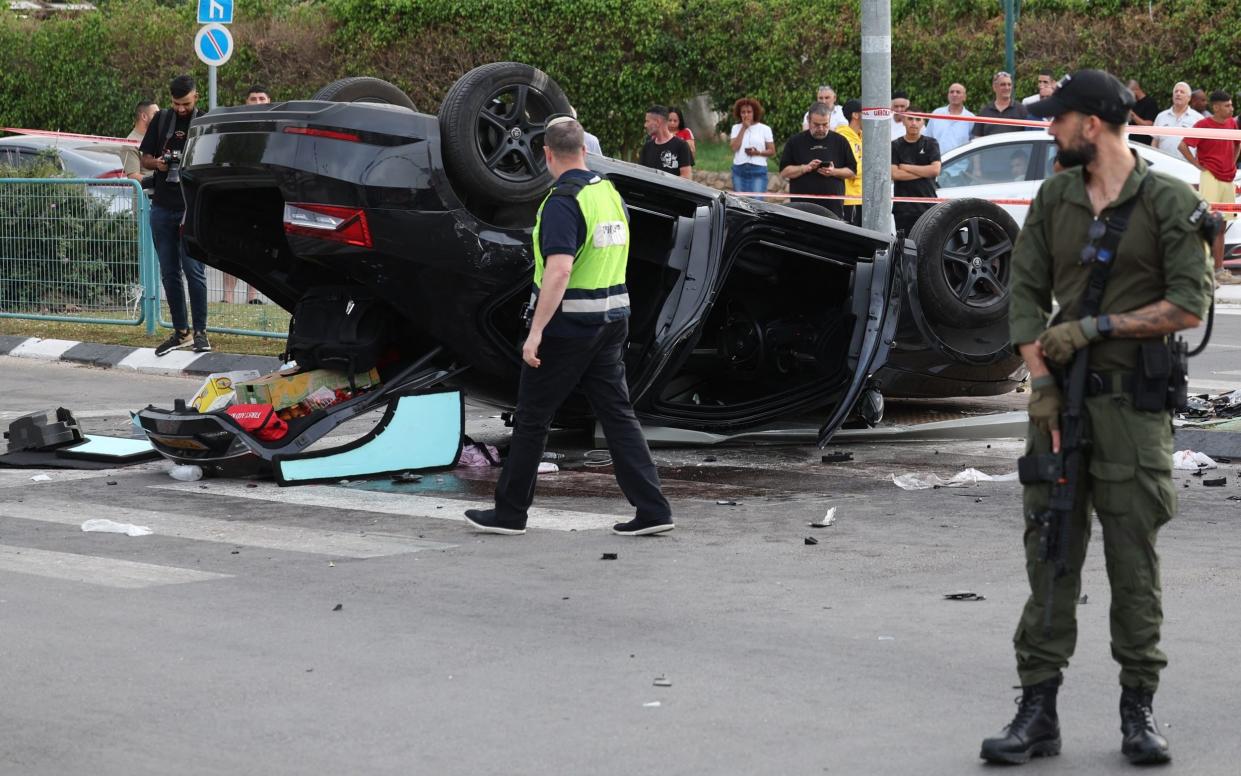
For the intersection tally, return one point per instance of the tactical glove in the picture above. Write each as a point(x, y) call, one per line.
point(1045, 403)
point(1061, 341)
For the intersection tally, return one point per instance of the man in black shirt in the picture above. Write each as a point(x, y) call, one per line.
point(664, 150)
point(1004, 107)
point(1144, 112)
point(818, 161)
point(915, 163)
point(161, 148)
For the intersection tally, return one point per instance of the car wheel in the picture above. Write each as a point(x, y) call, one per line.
point(364, 89)
point(492, 123)
point(965, 253)
point(813, 209)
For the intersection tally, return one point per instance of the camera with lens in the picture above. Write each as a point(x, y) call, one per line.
point(173, 160)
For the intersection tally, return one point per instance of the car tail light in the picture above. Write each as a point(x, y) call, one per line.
point(328, 133)
point(117, 173)
point(328, 222)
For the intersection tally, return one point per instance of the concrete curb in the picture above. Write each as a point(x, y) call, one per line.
point(178, 363)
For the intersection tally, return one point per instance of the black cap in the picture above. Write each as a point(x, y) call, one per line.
point(1093, 92)
point(851, 107)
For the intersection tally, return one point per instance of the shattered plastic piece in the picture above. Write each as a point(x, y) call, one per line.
point(725, 502)
point(186, 473)
point(405, 478)
point(40, 478)
point(964, 595)
point(662, 681)
point(1234, 498)
point(1083, 599)
point(1217, 482)
point(1188, 460)
point(652, 705)
point(608, 556)
point(811, 540)
point(1222, 459)
point(547, 467)
point(837, 457)
point(111, 526)
point(967, 477)
point(827, 520)
point(338, 607)
point(111, 482)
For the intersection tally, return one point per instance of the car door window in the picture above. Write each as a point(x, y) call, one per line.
point(1007, 163)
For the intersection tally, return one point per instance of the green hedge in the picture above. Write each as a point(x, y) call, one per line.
point(613, 57)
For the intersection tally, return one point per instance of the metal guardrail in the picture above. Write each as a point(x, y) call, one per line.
point(79, 250)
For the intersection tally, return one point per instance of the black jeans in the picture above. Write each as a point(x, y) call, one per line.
point(597, 364)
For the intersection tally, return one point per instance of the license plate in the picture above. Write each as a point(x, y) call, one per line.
point(178, 443)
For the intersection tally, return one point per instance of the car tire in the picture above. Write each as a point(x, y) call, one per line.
point(491, 126)
point(364, 89)
point(813, 209)
point(965, 252)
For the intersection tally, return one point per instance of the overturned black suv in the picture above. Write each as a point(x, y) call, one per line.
point(744, 313)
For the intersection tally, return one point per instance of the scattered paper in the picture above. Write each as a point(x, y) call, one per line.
point(967, 477)
point(111, 526)
point(1188, 460)
point(827, 519)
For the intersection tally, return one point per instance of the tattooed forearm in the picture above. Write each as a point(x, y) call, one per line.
point(1153, 320)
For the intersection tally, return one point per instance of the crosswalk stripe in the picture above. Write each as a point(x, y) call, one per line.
point(314, 541)
point(407, 505)
point(108, 572)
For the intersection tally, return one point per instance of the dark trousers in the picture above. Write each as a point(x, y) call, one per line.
point(173, 261)
point(597, 364)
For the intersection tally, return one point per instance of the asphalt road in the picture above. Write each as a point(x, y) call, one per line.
point(327, 629)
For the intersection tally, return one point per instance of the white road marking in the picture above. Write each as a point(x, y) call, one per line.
point(42, 349)
point(108, 572)
point(412, 505)
point(171, 363)
point(313, 541)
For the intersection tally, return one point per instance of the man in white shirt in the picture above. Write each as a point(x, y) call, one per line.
point(827, 96)
point(951, 134)
point(1046, 85)
point(900, 104)
point(1179, 115)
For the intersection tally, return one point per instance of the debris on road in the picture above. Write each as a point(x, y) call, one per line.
point(724, 502)
point(663, 681)
point(111, 526)
point(840, 456)
point(405, 478)
point(1217, 482)
point(1188, 460)
point(1084, 599)
point(652, 705)
point(967, 477)
point(338, 607)
point(608, 556)
point(964, 595)
point(811, 540)
point(40, 478)
point(185, 473)
point(826, 520)
point(546, 467)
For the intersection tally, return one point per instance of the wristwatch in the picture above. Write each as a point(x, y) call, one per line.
point(1104, 324)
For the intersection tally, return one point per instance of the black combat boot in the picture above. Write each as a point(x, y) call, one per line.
point(1142, 743)
point(1034, 732)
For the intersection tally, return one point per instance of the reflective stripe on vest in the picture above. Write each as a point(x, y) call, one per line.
point(596, 292)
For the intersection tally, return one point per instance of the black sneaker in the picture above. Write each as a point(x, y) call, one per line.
point(255, 300)
point(201, 343)
point(485, 521)
point(638, 527)
point(175, 341)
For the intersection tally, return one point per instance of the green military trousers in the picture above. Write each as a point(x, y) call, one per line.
point(1130, 487)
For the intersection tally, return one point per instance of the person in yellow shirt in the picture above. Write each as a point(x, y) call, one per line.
point(853, 186)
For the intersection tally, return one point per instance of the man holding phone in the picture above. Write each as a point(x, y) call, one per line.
point(818, 161)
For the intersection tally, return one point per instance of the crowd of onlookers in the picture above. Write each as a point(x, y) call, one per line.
point(822, 163)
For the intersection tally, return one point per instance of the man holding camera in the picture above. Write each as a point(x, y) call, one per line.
point(161, 151)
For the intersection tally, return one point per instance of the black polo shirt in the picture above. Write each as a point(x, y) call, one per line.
point(801, 149)
point(1014, 111)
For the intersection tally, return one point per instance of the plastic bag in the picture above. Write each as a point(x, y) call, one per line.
point(186, 473)
point(111, 526)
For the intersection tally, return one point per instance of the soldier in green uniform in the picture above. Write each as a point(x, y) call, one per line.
point(1160, 284)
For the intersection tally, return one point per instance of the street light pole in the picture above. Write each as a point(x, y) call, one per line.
point(876, 125)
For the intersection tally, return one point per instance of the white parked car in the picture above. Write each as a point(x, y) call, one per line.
point(1013, 165)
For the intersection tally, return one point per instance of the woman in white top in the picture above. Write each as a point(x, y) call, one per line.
point(752, 143)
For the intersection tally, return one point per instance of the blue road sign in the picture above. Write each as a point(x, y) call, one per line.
point(213, 44)
point(215, 11)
